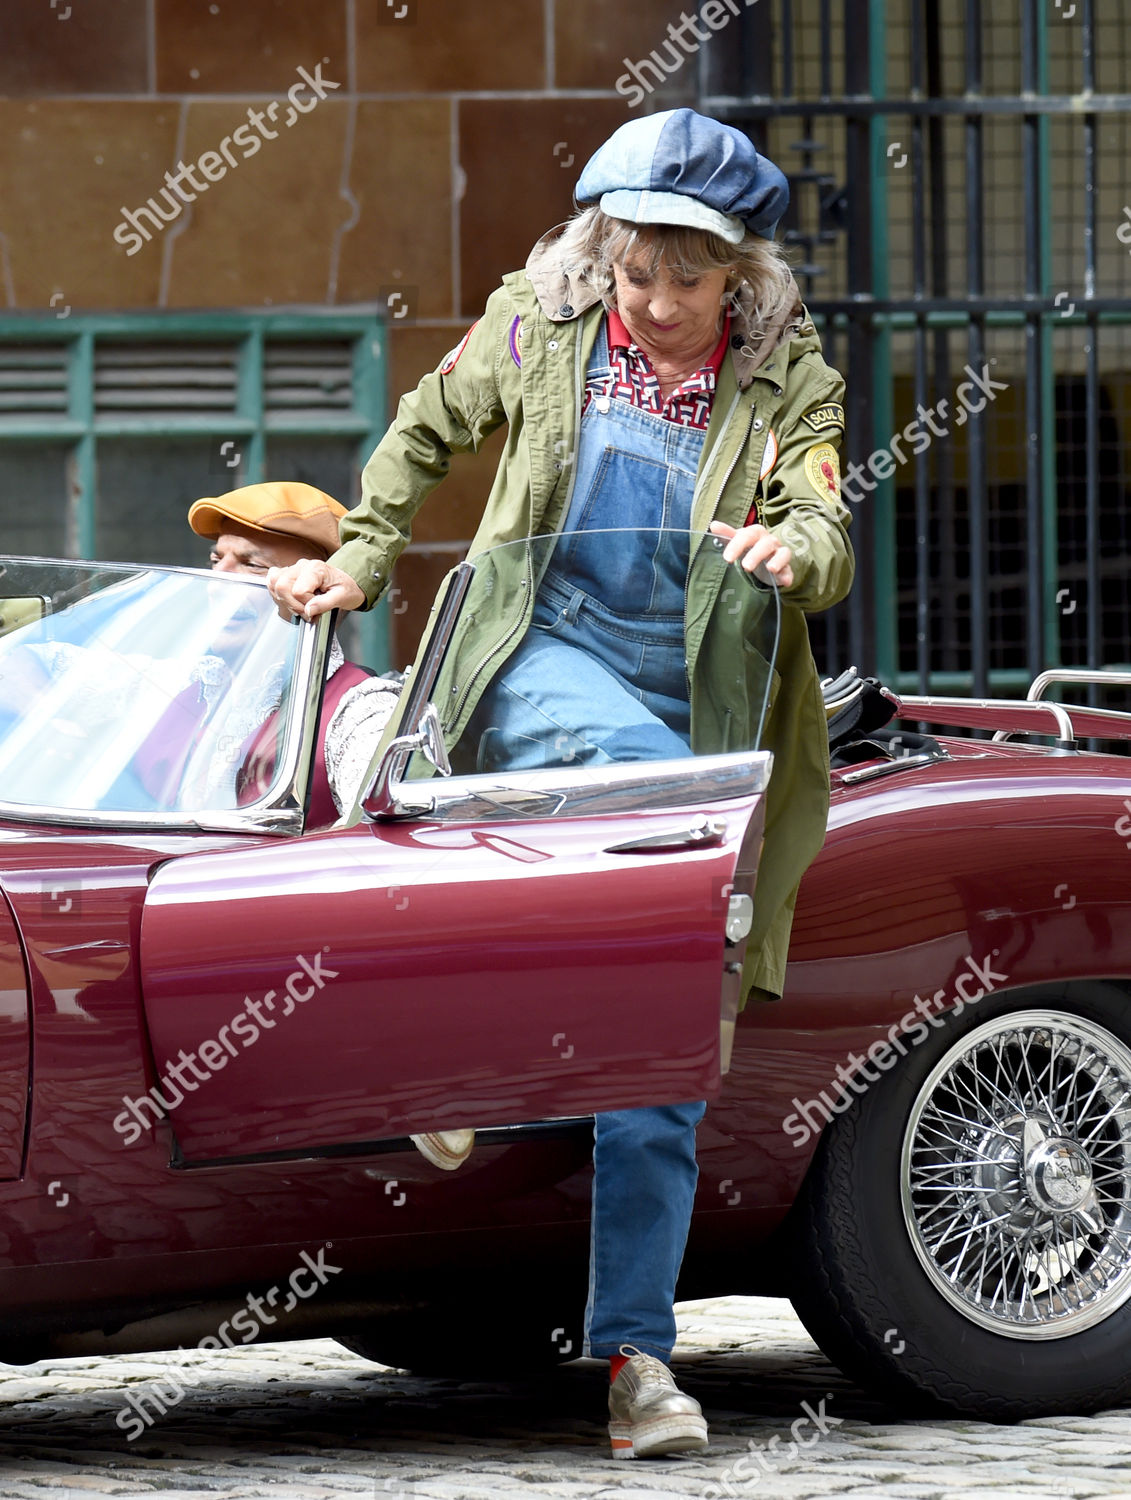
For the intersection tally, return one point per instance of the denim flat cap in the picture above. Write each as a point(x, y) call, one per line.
point(680, 167)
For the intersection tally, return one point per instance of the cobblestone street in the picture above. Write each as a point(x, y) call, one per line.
point(309, 1421)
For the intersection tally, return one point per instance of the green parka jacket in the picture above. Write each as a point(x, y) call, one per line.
point(773, 439)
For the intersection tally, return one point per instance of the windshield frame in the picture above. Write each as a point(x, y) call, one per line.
point(282, 810)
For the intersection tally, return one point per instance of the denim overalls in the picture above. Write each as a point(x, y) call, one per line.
point(601, 676)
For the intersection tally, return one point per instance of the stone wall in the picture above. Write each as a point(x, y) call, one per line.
point(450, 140)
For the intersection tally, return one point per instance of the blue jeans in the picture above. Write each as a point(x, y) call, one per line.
point(644, 1176)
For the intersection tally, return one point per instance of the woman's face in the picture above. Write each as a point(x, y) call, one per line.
point(675, 315)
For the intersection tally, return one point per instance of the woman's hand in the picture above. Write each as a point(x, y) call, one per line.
point(756, 549)
point(309, 588)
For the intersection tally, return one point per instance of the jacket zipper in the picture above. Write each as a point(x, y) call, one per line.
point(726, 480)
point(738, 454)
point(500, 645)
point(706, 470)
point(718, 441)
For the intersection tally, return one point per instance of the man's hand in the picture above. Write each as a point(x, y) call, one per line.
point(309, 588)
point(754, 548)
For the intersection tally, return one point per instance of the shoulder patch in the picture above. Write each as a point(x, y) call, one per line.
point(449, 362)
point(829, 415)
point(822, 469)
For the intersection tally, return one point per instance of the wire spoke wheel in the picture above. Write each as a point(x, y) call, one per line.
point(1015, 1175)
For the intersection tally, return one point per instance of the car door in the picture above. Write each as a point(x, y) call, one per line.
point(521, 947)
point(15, 1045)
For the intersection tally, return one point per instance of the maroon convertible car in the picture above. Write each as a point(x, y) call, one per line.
point(219, 1027)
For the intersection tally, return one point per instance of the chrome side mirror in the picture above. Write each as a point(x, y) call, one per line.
point(391, 796)
point(431, 738)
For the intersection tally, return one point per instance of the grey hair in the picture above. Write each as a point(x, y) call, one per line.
point(760, 288)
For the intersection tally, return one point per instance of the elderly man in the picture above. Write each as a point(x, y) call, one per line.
point(273, 525)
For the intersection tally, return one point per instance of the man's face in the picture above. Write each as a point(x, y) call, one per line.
point(239, 549)
point(242, 551)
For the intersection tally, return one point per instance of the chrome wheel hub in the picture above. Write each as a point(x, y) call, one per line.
point(1058, 1176)
point(1015, 1175)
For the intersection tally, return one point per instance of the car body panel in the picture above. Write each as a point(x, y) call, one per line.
point(1003, 861)
point(435, 975)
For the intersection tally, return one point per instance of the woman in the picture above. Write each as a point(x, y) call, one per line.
point(656, 368)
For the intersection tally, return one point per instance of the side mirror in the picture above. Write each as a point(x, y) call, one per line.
point(432, 744)
point(390, 796)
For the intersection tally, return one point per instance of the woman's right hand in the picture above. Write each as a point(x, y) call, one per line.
point(310, 587)
point(758, 551)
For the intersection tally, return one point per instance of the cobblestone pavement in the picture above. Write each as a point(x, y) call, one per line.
point(308, 1421)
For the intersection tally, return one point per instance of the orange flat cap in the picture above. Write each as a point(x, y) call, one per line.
point(284, 507)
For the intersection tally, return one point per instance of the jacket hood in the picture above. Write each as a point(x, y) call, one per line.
point(564, 293)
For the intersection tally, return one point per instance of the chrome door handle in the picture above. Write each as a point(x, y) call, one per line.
point(704, 833)
point(891, 767)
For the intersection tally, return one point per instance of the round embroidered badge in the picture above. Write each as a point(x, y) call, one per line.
point(822, 469)
point(769, 454)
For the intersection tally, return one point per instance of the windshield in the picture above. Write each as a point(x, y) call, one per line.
point(597, 669)
point(140, 691)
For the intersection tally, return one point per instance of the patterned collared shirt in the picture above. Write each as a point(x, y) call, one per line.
point(634, 380)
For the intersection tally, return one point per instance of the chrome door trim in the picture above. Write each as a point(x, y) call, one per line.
point(577, 791)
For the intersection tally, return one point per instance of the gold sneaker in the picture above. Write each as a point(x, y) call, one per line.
point(447, 1149)
point(649, 1415)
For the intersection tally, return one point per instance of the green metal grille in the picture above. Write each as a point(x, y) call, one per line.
point(110, 425)
point(959, 197)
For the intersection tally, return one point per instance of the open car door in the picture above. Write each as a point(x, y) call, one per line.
point(414, 975)
point(481, 950)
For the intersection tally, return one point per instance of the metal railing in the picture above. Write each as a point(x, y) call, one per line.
point(956, 175)
point(95, 408)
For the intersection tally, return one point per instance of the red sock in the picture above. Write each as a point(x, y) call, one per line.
point(617, 1363)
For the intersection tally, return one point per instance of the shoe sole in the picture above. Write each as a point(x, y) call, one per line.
point(432, 1151)
point(658, 1438)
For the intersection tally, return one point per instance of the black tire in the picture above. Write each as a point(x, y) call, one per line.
point(469, 1341)
point(881, 1308)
